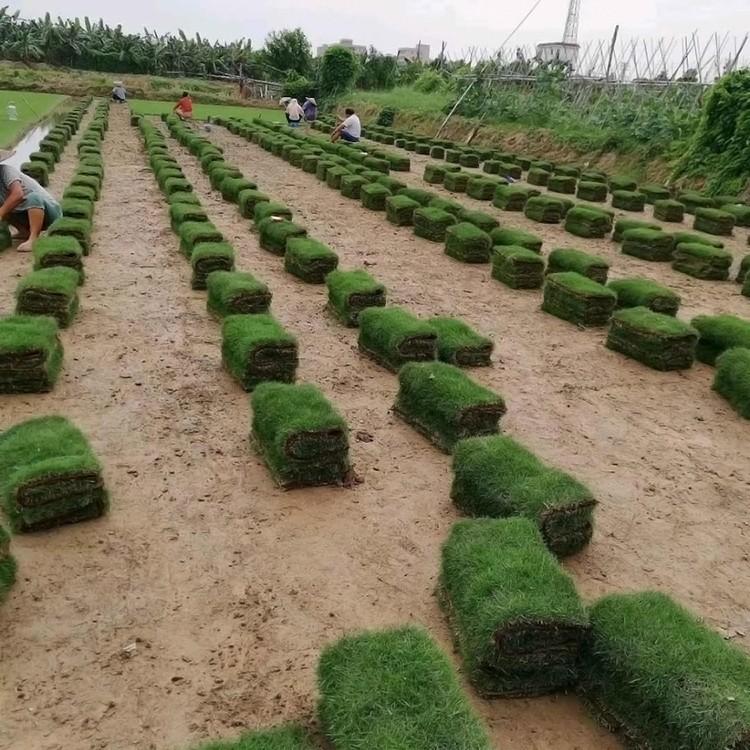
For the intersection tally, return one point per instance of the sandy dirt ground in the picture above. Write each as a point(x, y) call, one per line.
point(229, 587)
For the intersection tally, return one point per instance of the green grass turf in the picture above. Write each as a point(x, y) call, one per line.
point(208, 257)
point(702, 261)
point(7, 565)
point(351, 292)
point(459, 344)
point(58, 251)
point(288, 737)
point(719, 333)
point(49, 475)
point(659, 341)
point(577, 299)
point(628, 200)
point(32, 107)
point(257, 348)
point(512, 197)
point(432, 223)
point(423, 197)
point(441, 402)
point(640, 292)
point(270, 209)
point(582, 221)
point(49, 291)
point(394, 690)
point(301, 436)
point(517, 267)
point(570, 259)
point(399, 210)
point(713, 221)
point(517, 237)
point(204, 111)
point(669, 210)
point(497, 477)
point(393, 336)
point(668, 681)
point(703, 239)
point(732, 380)
point(519, 622)
point(30, 354)
point(309, 260)
point(75, 208)
point(179, 213)
point(231, 187)
point(467, 243)
point(236, 293)
point(648, 244)
point(624, 225)
point(79, 229)
point(193, 233)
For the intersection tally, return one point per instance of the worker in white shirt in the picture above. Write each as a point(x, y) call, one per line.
point(349, 130)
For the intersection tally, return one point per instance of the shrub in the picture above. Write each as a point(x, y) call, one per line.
point(628, 200)
point(394, 689)
point(179, 213)
point(713, 221)
point(350, 292)
point(193, 233)
point(669, 210)
point(659, 341)
point(516, 237)
point(732, 380)
point(271, 209)
point(309, 260)
point(236, 293)
point(275, 234)
point(256, 349)
point(432, 223)
point(479, 219)
point(592, 191)
point(302, 438)
point(578, 299)
point(481, 188)
point(570, 259)
point(392, 336)
point(702, 261)
point(434, 174)
point(648, 244)
point(543, 209)
point(640, 292)
point(468, 160)
point(78, 229)
point(58, 251)
point(588, 222)
point(656, 672)
point(557, 183)
point(719, 333)
point(208, 257)
point(399, 210)
point(517, 267)
point(445, 405)
point(49, 291)
point(351, 186)
point(519, 621)
point(537, 176)
point(456, 182)
point(373, 196)
point(50, 475)
point(459, 344)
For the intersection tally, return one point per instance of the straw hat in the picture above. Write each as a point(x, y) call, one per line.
point(311, 99)
point(6, 154)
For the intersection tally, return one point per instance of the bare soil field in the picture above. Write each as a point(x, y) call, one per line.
point(229, 587)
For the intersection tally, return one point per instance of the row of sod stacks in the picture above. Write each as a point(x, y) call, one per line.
point(43, 161)
point(496, 477)
point(657, 340)
point(732, 380)
point(49, 475)
point(31, 354)
point(577, 299)
point(519, 623)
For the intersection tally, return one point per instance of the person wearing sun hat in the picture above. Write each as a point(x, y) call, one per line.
point(24, 203)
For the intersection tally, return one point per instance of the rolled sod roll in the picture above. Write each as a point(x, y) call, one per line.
point(58, 251)
point(37, 170)
point(257, 348)
point(188, 198)
point(469, 160)
point(479, 219)
point(437, 152)
point(588, 222)
point(448, 205)
point(740, 212)
point(660, 341)
point(538, 176)
point(713, 221)
point(79, 229)
point(517, 267)
point(391, 183)
point(578, 299)
point(49, 291)
point(519, 621)
point(545, 210)
point(622, 183)
point(702, 239)
point(392, 337)
point(334, 175)
point(692, 201)
point(193, 233)
point(7, 565)
point(271, 209)
point(310, 163)
point(321, 171)
point(302, 438)
point(516, 237)
point(398, 163)
point(374, 195)
point(648, 244)
point(77, 209)
point(640, 292)
point(423, 197)
point(702, 261)
point(512, 197)
point(628, 200)
point(453, 156)
point(434, 174)
point(570, 259)
point(50, 475)
point(459, 344)
point(351, 186)
point(275, 233)
point(719, 333)
point(208, 257)
point(31, 354)
point(492, 166)
point(351, 292)
point(669, 210)
point(231, 187)
point(394, 689)
point(432, 223)
point(496, 477)
point(467, 243)
point(481, 188)
point(399, 210)
point(236, 293)
point(732, 380)
point(656, 673)
point(442, 403)
point(655, 193)
point(44, 157)
point(623, 225)
point(743, 270)
point(179, 213)
point(558, 183)
point(592, 191)
point(309, 260)
point(456, 182)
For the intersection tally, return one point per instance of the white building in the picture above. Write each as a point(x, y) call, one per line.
point(420, 53)
point(357, 49)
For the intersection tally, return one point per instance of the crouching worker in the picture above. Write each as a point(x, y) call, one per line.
point(24, 204)
point(184, 108)
point(349, 130)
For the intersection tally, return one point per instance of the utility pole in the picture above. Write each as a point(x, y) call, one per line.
point(612, 51)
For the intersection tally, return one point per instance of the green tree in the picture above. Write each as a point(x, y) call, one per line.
point(288, 51)
point(338, 71)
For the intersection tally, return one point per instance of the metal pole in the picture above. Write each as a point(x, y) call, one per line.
point(612, 50)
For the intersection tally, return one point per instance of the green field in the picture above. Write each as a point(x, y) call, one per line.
point(31, 107)
point(203, 111)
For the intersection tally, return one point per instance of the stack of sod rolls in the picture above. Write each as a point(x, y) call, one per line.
point(31, 354)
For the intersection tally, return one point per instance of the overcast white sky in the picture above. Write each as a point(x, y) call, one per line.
point(389, 24)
